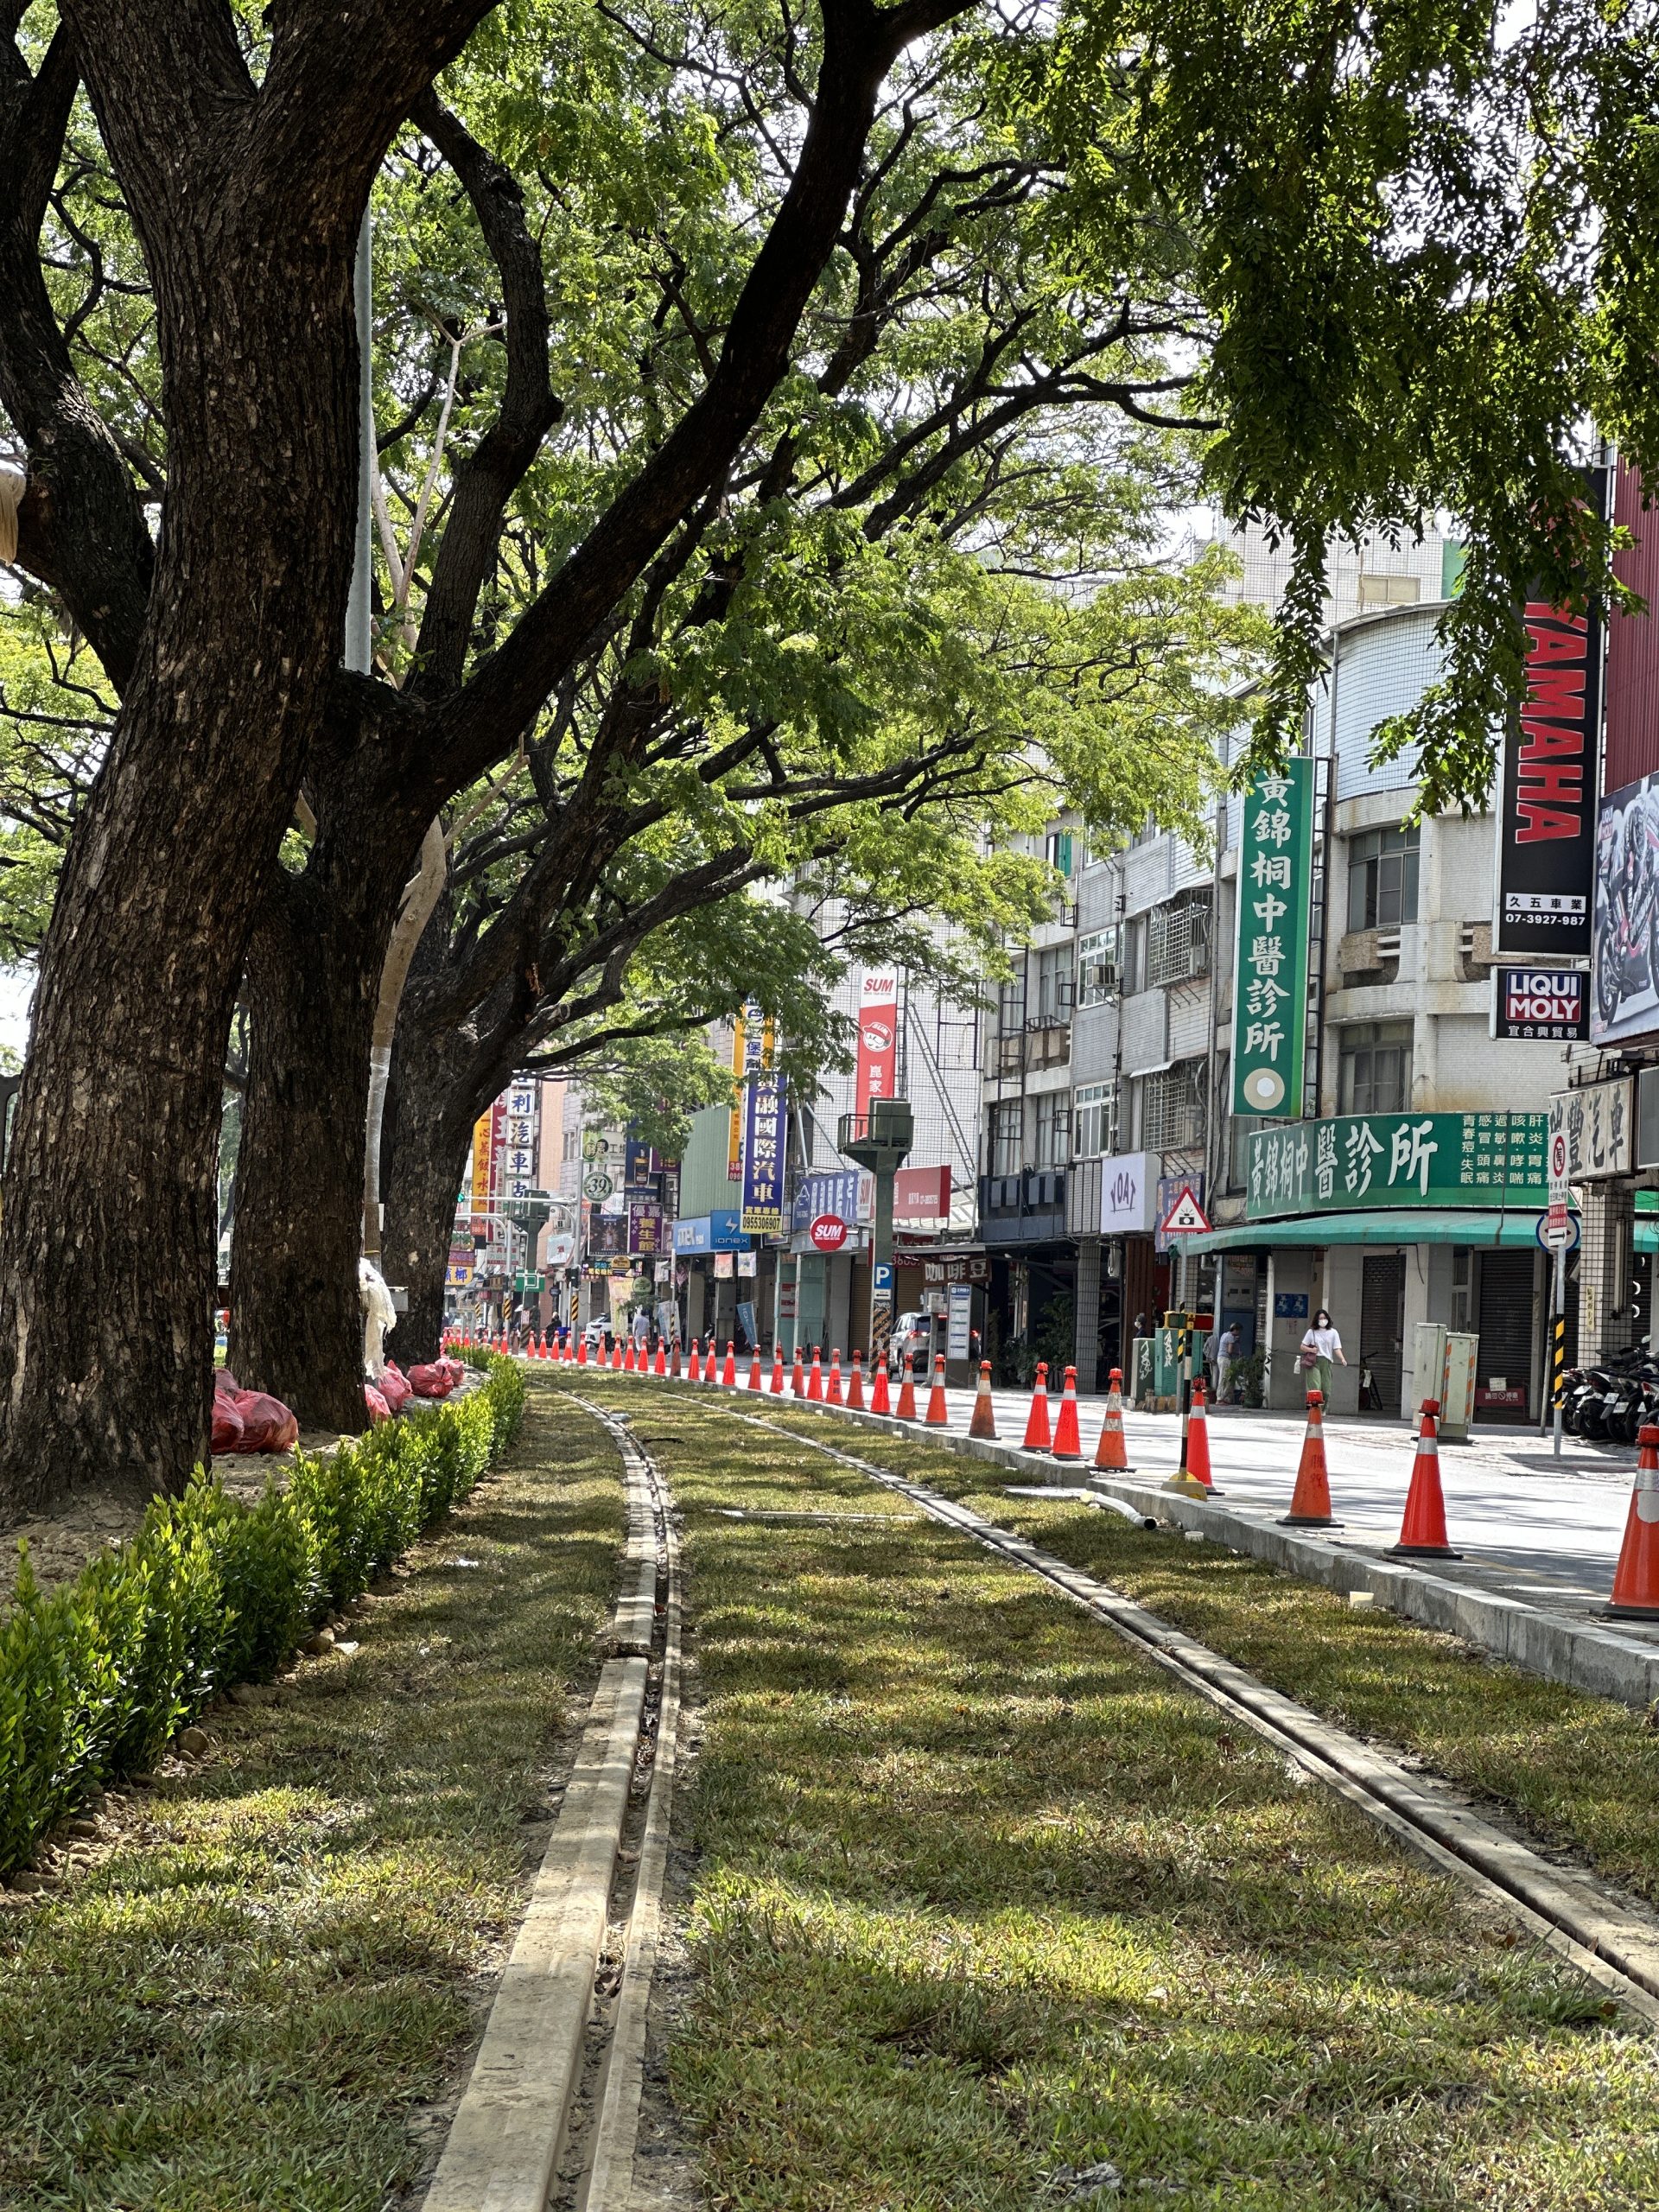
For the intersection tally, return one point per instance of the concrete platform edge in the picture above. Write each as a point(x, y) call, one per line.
point(1575, 1653)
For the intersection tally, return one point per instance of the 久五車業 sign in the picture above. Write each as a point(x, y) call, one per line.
point(1355, 1161)
point(1275, 868)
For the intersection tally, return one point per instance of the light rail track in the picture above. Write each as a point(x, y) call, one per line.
point(1611, 1941)
point(550, 2115)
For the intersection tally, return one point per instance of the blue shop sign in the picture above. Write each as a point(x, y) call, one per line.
point(718, 1231)
point(833, 1191)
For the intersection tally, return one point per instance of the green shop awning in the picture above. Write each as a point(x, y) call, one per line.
point(1647, 1235)
point(1391, 1225)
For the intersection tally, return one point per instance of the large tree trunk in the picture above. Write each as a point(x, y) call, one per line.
point(429, 1115)
point(107, 1238)
point(297, 1328)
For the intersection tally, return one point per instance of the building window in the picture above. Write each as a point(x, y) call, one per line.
point(1374, 1067)
point(1058, 850)
point(1388, 591)
point(1171, 1108)
point(1094, 1120)
point(1382, 879)
point(1177, 941)
point(1054, 1129)
point(1006, 1135)
point(1097, 966)
point(1011, 1000)
point(1051, 983)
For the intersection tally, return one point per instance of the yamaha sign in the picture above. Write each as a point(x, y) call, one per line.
point(1551, 1003)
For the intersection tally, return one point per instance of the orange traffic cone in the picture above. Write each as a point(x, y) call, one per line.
point(754, 1368)
point(797, 1375)
point(880, 1398)
point(581, 1350)
point(905, 1409)
point(1197, 1440)
point(855, 1386)
point(659, 1365)
point(1037, 1435)
point(616, 1355)
point(1422, 1533)
point(938, 1414)
point(728, 1373)
point(778, 1371)
point(984, 1421)
point(815, 1379)
point(1310, 1505)
point(832, 1389)
point(1636, 1580)
point(694, 1372)
point(627, 1359)
point(1111, 1452)
point(676, 1364)
point(1068, 1443)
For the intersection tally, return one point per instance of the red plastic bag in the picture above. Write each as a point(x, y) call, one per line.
point(225, 1383)
point(433, 1382)
point(227, 1424)
point(393, 1386)
point(378, 1409)
point(267, 1424)
point(453, 1367)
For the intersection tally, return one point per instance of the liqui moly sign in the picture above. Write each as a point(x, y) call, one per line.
point(1553, 1003)
point(878, 1036)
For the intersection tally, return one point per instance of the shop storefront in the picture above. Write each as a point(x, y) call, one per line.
point(1389, 1220)
point(715, 1267)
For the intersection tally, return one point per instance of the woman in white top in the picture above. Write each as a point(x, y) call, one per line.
point(1325, 1345)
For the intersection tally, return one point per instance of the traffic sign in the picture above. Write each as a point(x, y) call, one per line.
point(1563, 1233)
point(597, 1185)
point(1557, 1167)
point(1186, 1217)
point(829, 1232)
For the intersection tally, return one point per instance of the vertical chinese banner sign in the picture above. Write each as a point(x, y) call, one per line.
point(1276, 878)
point(763, 1142)
point(734, 1126)
point(483, 1170)
point(878, 1038)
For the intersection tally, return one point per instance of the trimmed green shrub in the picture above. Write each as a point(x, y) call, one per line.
point(95, 1678)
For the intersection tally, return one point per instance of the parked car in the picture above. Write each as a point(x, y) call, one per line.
point(913, 1333)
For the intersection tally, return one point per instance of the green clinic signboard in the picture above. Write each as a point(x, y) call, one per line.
point(1275, 881)
point(1355, 1161)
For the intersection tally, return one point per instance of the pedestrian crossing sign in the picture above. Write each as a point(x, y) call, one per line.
point(1187, 1217)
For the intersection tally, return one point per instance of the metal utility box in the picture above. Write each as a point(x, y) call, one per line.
point(1458, 1388)
point(1443, 1367)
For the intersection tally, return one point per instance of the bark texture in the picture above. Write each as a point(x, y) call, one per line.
point(296, 1323)
point(247, 199)
point(429, 1116)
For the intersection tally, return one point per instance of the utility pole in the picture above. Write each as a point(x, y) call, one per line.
point(880, 1139)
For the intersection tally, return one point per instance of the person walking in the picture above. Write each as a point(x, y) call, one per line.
point(642, 1329)
point(1226, 1353)
point(1325, 1345)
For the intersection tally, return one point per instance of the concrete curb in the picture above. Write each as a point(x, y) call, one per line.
point(1561, 1649)
point(1554, 1645)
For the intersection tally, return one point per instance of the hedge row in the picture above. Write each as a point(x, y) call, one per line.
point(96, 1678)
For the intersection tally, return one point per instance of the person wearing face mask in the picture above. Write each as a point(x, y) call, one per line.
point(1325, 1345)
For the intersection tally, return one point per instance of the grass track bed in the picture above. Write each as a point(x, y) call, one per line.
point(242, 2003)
point(984, 1903)
point(1582, 1772)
